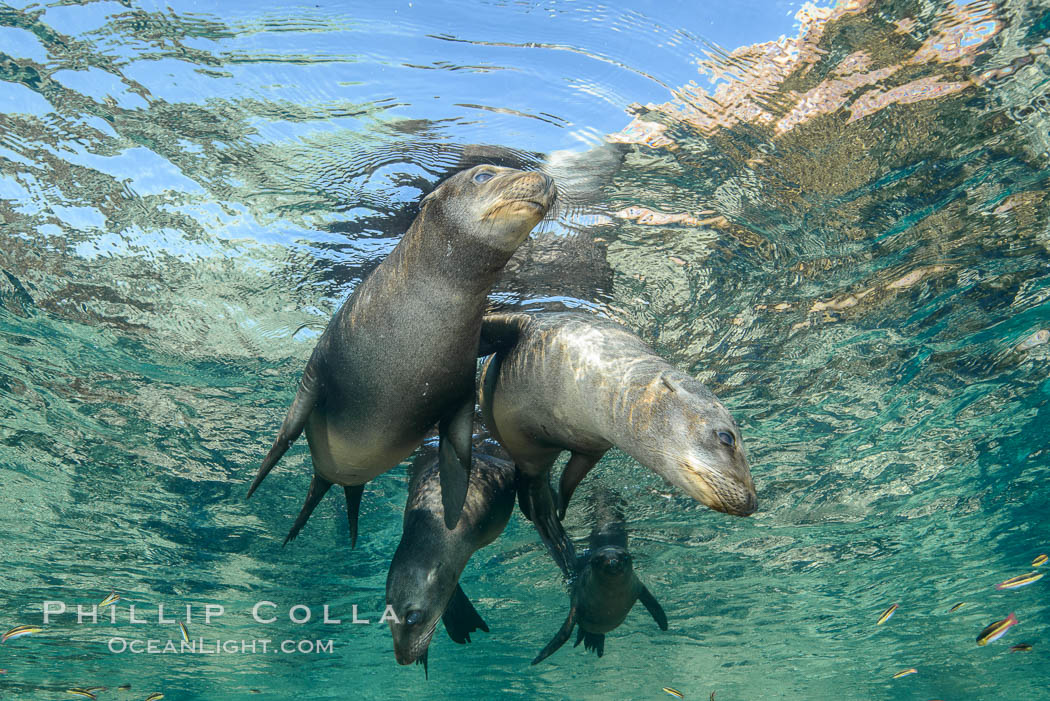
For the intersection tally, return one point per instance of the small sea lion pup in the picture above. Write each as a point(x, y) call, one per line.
point(423, 582)
point(576, 382)
point(399, 355)
point(605, 587)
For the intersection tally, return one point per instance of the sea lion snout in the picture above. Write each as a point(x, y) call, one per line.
point(412, 636)
point(723, 487)
point(612, 560)
point(715, 471)
point(494, 206)
point(741, 503)
point(532, 186)
point(520, 198)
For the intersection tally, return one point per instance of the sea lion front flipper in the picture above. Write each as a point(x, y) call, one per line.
point(592, 641)
point(653, 607)
point(500, 332)
point(560, 637)
point(353, 506)
point(306, 398)
point(319, 486)
point(489, 377)
point(521, 484)
point(454, 436)
point(537, 503)
point(575, 470)
point(461, 618)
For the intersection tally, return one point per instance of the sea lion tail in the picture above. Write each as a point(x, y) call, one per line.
point(319, 486)
point(537, 503)
point(461, 618)
point(306, 398)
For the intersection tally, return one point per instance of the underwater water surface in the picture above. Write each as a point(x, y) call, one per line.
point(835, 216)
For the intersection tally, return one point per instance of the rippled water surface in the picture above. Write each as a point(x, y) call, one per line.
point(836, 217)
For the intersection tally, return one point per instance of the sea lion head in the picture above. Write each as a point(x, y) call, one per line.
point(611, 562)
point(418, 595)
point(497, 206)
point(705, 448)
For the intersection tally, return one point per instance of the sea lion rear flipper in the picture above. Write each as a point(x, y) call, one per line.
point(591, 641)
point(560, 637)
point(461, 618)
point(653, 607)
point(454, 436)
point(576, 469)
point(319, 486)
point(306, 398)
point(353, 506)
point(537, 503)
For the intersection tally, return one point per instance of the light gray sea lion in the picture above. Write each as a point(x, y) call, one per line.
point(572, 381)
point(423, 582)
point(604, 589)
point(400, 354)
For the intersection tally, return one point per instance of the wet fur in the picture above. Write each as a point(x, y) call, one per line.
point(398, 356)
point(424, 573)
point(599, 601)
point(572, 381)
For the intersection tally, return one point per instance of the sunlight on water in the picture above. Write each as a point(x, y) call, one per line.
point(833, 216)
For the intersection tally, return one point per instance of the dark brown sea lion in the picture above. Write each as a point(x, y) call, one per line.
point(576, 382)
point(399, 355)
point(603, 591)
point(423, 582)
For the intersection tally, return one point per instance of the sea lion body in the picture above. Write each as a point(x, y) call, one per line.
point(386, 387)
point(603, 592)
point(423, 581)
point(572, 381)
point(399, 355)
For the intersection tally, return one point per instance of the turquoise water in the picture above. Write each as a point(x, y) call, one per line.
point(844, 232)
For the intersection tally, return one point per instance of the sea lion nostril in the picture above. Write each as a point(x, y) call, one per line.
point(750, 504)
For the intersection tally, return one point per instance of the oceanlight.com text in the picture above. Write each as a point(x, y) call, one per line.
point(215, 646)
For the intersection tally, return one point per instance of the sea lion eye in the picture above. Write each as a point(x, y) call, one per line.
point(483, 177)
point(413, 617)
point(726, 438)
